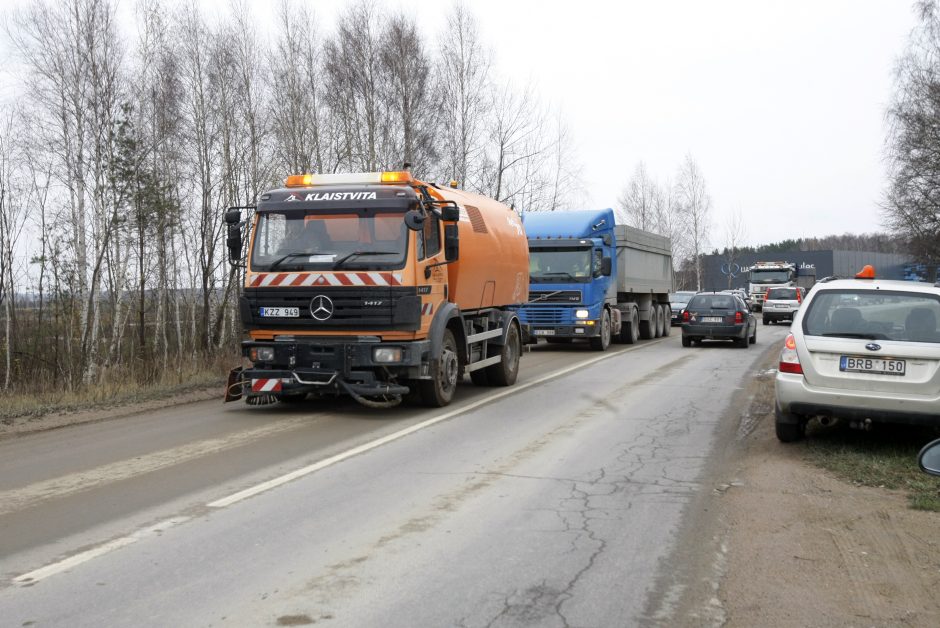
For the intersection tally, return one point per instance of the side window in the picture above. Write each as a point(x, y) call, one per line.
point(432, 236)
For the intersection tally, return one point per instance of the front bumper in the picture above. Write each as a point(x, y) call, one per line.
point(795, 396)
point(334, 366)
point(564, 331)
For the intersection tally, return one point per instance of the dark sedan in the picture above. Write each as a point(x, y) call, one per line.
point(718, 316)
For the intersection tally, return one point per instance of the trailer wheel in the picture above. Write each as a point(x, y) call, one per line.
point(667, 320)
point(602, 340)
point(629, 329)
point(647, 326)
point(505, 373)
point(658, 326)
point(438, 391)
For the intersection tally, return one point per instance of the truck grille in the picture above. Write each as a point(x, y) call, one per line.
point(542, 315)
point(380, 308)
point(561, 296)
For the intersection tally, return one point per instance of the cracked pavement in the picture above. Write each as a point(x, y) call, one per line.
point(556, 506)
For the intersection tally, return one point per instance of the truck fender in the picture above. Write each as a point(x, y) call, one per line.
point(615, 320)
point(445, 313)
point(506, 319)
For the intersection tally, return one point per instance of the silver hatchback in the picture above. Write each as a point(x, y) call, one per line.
point(862, 350)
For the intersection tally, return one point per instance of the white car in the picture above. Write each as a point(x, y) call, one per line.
point(781, 304)
point(864, 350)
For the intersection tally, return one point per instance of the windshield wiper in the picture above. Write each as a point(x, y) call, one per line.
point(852, 334)
point(278, 261)
point(340, 261)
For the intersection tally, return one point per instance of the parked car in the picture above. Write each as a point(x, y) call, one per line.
point(718, 316)
point(781, 304)
point(678, 301)
point(862, 350)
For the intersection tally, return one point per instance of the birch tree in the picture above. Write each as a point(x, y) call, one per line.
point(696, 206)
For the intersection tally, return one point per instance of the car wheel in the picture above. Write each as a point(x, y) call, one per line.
point(753, 339)
point(765, 320)
point(686, 341)
point(789, 427)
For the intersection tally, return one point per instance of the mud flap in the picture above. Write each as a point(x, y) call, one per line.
point(233, 386)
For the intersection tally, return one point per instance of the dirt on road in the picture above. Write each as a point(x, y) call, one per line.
point(782, 542)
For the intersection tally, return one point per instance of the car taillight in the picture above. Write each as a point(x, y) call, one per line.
point(739, 317)
point(789, 360)
point(685, 316)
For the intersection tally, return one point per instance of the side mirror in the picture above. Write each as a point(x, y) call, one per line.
point(415, 219)
point(449, 213)
point(929, 458)
point(233, 216)
point(606, 268)
point(234, 242)
point(451, 243)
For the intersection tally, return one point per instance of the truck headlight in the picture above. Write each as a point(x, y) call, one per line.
point(386, 355)
point(261, 354)
point(581, 313)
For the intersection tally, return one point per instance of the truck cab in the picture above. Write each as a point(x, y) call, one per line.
point(377, 286)
point(570, 275)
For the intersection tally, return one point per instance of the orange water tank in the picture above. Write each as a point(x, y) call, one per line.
point(492, 269)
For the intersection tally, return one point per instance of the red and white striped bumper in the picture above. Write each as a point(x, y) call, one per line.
point(266, 385)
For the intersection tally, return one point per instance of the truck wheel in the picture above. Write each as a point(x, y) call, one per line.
point(505, 373)
point(657, 323)
point(438, 391)
point(602, 340)
point(646, 327)
point(667, 320)
point(629, 329)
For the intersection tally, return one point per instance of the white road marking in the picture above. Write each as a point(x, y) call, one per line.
point(27, 496)
point(83, 557)
point(361, 449)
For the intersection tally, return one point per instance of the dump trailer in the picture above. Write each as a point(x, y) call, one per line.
point(596, 280)
point(377, 286)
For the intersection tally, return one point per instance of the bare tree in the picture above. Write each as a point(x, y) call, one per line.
point(638, 199)
point(696, 206)
point(409, 81)
point(463, 77)
point(912, 207)
point(735, 234)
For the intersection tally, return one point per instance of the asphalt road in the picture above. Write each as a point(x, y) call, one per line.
point(556, 502)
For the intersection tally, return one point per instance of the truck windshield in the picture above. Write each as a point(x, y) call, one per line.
point(770, 276)
point(322, 240)
point(559, 265)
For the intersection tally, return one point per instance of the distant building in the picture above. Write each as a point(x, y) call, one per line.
point(719, 274)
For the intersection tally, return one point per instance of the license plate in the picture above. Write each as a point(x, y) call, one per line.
point(877, 366)
point(280, 312)
point(712, 319)
point(543, 332)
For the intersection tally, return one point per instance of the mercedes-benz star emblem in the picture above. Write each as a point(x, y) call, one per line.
point(321, 307)
point(873, 346)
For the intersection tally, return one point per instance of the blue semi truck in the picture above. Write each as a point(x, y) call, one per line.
point(592, 279)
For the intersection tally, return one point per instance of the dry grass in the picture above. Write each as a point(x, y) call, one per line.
point(117, 389)
point(885, 458)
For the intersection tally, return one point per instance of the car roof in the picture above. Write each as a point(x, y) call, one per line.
point(878, 284)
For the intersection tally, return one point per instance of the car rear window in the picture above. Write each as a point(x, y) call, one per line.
point(881, 315)
point(784, 294)
point(712, 301)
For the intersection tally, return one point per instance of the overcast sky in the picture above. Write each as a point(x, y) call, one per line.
point(781, 103)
